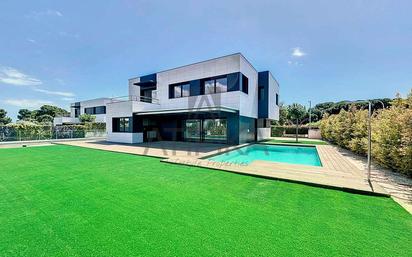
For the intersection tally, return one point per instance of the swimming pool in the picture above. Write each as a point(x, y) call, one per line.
point(275, 153)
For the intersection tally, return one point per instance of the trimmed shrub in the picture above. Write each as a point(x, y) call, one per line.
point(391, 133)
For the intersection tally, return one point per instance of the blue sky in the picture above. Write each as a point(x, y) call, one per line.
point(60, 51)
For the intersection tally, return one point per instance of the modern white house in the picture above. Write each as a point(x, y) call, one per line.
point(96, 107)
point(222, 100)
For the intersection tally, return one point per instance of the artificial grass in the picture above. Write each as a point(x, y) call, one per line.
point(70, 201)
point(292, 141)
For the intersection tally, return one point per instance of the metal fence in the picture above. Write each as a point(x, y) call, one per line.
point(47, 133)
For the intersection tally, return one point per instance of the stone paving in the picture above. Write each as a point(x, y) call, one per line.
point(397, 185)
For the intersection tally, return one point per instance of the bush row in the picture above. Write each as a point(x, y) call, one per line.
point(34, 131)
point(391, 133)
point(278, 131)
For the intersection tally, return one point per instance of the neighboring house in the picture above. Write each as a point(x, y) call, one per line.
point(96, 107)
point(222, 100)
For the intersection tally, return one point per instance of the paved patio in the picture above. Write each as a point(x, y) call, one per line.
point(160, 149)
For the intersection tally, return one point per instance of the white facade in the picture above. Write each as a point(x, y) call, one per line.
point(81, 106)
point(245, 104)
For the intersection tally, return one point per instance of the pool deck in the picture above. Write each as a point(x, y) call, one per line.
point(336, 172)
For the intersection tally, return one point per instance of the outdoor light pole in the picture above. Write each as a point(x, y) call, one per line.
point(310, 114)
point(370, 137)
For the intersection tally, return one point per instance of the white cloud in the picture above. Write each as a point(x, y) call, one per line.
point(32, 41)
point(12, 76)
point(298, 52)
point(48, 12)
point(50, 92)
point(27, 103)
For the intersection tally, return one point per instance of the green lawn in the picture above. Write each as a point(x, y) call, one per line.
point(70, 201)
point(293, 141)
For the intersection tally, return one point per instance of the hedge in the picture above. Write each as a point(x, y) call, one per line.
point(391, 133)
point(278, 131)
point(34, 131)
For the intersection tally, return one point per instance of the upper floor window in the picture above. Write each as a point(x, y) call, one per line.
point(89, 110)
point(277, 99)
point(245, 84)
point(95, 110)
point(121, 124)
point(181, 90)
point(216, 85)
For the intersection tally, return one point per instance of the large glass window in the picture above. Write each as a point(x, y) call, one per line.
point(95, 110)
point(218, 85)
point(192, 130)
point(121, 124)
point(210, 86)
point(100, 110)
point(215, 130)
point(181, 90)
point(221, 85)
point(89, 110)
point(185, 90)
point(178, 91)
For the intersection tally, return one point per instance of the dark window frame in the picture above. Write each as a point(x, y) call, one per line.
point(118, 125)
point(93, 110)
point(179, 85)
point(214, 84)
point(245, 84)
point(277, 99)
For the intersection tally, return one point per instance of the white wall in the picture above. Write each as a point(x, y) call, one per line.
point(128, 138)
point(273, 89)
point(249, 102)
point(133, 89)
point(245, 103)
point(93, 103)
point(263, 133)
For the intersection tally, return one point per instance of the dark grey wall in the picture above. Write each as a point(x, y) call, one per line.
point(247, 129)
point(263, 102)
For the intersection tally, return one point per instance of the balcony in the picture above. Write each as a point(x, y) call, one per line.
point(143, 99)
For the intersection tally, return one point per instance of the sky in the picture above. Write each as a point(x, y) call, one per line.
point(58, 52)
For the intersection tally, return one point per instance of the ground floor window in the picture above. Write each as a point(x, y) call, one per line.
point(121, 124)
point(210, 130)
point(192, 130)
point(215, 130)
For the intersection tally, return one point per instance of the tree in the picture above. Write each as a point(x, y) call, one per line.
point(3, 117)
point(296, 112)
point(24, 114)
point(87, 118)
point(52, 111)
point(45, 118)
point(283, 114)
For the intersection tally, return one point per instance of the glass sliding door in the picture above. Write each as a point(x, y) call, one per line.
point(215, 130)
point(192, 130)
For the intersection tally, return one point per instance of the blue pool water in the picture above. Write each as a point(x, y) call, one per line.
point(274, 153)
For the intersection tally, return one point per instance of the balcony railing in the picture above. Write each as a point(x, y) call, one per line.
point(143, 99)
